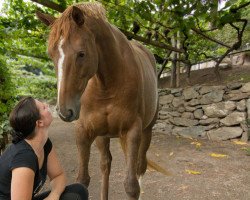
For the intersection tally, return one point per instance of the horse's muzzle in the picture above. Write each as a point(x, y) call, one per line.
point(68, 116)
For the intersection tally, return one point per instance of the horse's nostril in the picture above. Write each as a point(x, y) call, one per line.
point(70, 113)
point(67, 116)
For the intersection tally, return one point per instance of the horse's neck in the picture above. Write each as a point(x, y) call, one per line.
point(112, 47)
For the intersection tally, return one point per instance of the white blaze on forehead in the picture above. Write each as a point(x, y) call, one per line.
point(60, 67)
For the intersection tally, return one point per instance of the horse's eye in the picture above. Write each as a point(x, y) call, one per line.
point(80, 54)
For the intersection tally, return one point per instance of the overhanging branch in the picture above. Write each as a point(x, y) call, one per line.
point(57, 7)
point(50, 4)
point(209, 38)
point(27, 54)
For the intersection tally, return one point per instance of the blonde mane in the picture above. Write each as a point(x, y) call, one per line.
point(64, 24)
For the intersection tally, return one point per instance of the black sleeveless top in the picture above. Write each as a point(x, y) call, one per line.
point(22, 155)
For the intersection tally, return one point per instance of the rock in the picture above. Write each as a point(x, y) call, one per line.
point(248, 108)
point(193, 102)
point(234, 118)
point(165, 91)
point(175, 114)
point(234, 86)
point(181, 109)
point(177, 91)
point(190, 93)
point(159, 125)
point(241, 105)
point(163, 117)
point(190, 109)
point(193, 132)
point(163, 127)
point(198, 114)
point(167, 108)
point(166, 99)
point(209, 121)
point(212, 97)
point(178, 121)
point(236, 96)
point(245, 136)
point(245, 88)
point(225, 133)
point(221, 109)
point(178, 101)
point(208, 89)
point(204, 117)
point(187, 115)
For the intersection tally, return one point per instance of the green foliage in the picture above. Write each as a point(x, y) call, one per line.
point(6, 98)
point(22, 54)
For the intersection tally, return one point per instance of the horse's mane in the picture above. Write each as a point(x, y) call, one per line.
point(63, 25)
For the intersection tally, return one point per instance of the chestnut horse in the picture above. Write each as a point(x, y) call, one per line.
point(108, 84)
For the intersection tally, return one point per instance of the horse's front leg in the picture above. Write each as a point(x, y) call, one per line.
point(83, 141)
point(103, 144)
point(133, 139)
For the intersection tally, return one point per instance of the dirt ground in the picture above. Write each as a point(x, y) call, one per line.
point(220, 178)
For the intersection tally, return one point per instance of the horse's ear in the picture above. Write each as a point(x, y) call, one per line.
point(45, 18)
point(78, 16)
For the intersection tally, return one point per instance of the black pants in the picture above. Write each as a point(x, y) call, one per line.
point(72, 192)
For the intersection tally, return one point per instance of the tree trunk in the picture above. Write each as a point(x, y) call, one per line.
point(178, 62)
point(188, 68)
point(173, 73)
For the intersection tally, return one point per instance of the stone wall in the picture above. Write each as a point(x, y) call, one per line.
point(212, 112)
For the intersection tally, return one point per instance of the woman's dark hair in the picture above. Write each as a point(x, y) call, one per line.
point(23, 119)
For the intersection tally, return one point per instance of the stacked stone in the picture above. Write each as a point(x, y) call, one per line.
point(213, 112)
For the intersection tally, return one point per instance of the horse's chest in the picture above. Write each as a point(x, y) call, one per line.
point(108, 122)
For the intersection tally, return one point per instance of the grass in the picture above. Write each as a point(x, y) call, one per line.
point(248, 151)
point(241, 77)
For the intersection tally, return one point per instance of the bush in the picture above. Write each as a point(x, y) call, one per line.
point(7, 100)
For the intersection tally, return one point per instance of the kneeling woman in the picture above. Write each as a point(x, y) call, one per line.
point(25, 164)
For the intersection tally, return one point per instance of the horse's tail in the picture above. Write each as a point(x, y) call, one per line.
point(158, 168)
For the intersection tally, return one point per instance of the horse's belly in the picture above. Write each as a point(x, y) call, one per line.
point(149, 98)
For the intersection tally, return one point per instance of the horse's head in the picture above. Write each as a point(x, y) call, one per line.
point(73, 50)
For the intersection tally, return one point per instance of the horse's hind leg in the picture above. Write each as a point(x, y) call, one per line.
point(142, 158)
point(106, 159)
point(133, 137)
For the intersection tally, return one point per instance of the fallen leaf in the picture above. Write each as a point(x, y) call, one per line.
point(193, 172)
point(240, 143)
point(172, 153)
point(197, 144)
point(216, 155)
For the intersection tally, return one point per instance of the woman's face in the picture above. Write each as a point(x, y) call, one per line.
point(45, 113)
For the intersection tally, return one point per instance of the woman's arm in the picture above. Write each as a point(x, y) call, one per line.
point(22, 183)
point(56, 175)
